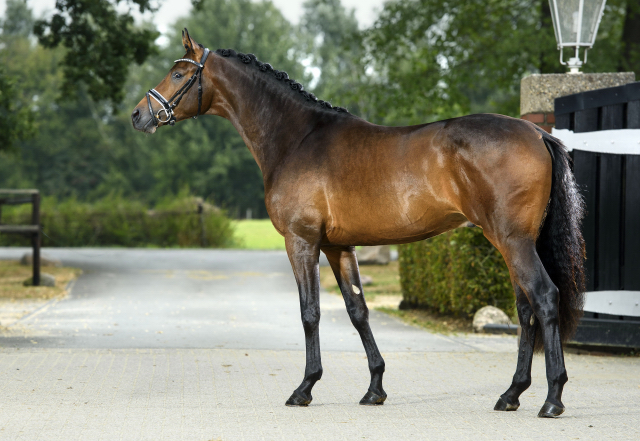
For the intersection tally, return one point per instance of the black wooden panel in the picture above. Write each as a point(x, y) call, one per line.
point(612, 117)
point(563, 121)
point(609, 222)
point(632, 224)
point(633, 115)
point(608, 332)
point(604, 97)
point(584, 169)
point(568, 104)
point(586, 121)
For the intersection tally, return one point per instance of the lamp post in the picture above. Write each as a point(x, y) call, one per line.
point(575, 23)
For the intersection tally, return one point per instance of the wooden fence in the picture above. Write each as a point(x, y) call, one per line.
point(16, 197)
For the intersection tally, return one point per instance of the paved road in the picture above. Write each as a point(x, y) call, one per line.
point(207, 345)
point(204, 299)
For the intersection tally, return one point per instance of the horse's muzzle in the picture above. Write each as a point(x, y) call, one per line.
point(142, 121)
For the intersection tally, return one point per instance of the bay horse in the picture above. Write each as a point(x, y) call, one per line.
point(333, 181)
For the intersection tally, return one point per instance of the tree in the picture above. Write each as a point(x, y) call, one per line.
point(333, 42)
point(18, 21)
point(631, 38)
point(16, 118)
point(435, 59)
point(101, 45)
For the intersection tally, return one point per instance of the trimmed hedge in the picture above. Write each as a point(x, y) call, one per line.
point(116, 221)
point(457, 272)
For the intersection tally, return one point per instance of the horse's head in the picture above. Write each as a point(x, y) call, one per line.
point(179, 95)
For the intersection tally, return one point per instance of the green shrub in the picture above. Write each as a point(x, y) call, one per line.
point(457, 273)
point(116, 221)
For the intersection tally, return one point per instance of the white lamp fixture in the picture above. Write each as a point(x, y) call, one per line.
point(575, 23)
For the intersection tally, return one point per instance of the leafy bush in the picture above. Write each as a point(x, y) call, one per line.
point(457, 272)
point(116, 221)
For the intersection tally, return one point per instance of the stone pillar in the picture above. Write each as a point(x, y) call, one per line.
point(538, 91)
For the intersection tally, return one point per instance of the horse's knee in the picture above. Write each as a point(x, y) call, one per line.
point(310, 319)
point(359, 316)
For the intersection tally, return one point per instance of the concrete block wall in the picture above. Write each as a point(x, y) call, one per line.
point(538, 91)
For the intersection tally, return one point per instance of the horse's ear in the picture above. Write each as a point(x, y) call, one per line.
point(187, 42)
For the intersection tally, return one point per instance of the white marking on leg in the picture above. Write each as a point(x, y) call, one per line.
point(355, 289)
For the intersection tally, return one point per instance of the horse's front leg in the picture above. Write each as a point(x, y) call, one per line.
point(344, 264)
point(304, 261)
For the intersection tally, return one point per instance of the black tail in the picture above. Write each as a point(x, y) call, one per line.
point(560, 244)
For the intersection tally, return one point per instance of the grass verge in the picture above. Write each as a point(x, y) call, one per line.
point(13, 275)
point(257, 234)
point(386, 280)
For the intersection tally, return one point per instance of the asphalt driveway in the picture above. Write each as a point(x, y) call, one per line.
point(153, 298)
point(208, 345)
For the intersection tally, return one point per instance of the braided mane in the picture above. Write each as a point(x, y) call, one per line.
point(280, 76)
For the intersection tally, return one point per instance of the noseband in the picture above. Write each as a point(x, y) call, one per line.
point(172, 103)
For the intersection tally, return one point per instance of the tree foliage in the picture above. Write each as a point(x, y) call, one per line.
point(16, 117)
point(435, 59)
point(101, 45)
point(333, 43)
point(16, 121)
point(18, 20)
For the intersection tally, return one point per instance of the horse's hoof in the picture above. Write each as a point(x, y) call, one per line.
point(550, 410)
point(504, 406)
point(297, 400)
point(373, 399)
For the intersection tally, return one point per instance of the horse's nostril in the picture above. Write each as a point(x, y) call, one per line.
point(135, 116)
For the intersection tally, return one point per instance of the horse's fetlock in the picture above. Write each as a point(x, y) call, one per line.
point(378, 368)
point(314, 376)
point(521, 385)
point(563, 378)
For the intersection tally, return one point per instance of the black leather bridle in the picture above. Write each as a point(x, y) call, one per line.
point(169, 105)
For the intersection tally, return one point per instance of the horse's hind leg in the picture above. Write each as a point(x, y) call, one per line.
point(522, 377)
point(304, 261)
point(345, 267)
point(529, 273)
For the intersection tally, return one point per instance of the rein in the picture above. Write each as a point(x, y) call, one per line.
point(172, 103)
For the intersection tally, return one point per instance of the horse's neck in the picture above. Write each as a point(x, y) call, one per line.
point(269, 118)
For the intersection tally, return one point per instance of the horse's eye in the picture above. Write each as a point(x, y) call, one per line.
point(177, 75)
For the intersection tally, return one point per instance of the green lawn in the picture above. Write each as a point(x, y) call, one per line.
point(257, 234)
